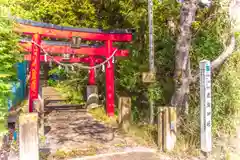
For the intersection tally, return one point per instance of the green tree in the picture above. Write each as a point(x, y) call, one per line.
point(9, 55)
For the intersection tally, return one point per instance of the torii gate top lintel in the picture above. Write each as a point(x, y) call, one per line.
point(56, 31)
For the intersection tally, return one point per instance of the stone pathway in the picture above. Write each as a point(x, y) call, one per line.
point(71, 129)
point(72, 132)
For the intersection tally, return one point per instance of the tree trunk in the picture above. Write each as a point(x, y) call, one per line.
point(182, 75)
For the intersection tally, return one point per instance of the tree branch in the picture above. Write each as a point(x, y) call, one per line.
point(227, 53)
point(220, 59)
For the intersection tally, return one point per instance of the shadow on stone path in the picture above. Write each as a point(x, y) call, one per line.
point(73, 129)
point(76, 128)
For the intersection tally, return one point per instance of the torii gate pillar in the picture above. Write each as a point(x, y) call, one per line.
point(109, 80)
point(34, 70)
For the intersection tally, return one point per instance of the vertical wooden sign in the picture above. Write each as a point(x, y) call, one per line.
point(205, 103)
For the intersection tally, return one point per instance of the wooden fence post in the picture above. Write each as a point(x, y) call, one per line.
point(28, 136)
point(169, 128)
point(124, 105)
point(173, 126)
point(160, 128)
point(165, 130)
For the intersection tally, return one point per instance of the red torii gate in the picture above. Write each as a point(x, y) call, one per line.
point(38, 30)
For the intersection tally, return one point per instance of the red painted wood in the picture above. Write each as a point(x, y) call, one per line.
point(91, 51)
point(34, 71)
point(60, 59)
point(48, 32)
point(91, 79)
point(109, 80)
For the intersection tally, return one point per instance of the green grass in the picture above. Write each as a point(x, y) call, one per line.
point(144, 134)
point(100, 115)
point(61, 154)
point(72, 95)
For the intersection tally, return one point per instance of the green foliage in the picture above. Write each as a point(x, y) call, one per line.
point(226, 96)
point(64, 12)
point(71, 91)
point(9, 55)
point(52, 82)
point(60, 72)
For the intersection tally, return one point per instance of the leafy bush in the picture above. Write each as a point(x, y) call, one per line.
point(226, 96)
point(9, 55)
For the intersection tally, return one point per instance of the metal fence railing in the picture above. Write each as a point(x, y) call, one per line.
point(18, 88)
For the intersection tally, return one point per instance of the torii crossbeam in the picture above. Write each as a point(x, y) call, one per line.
point(53, 48)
